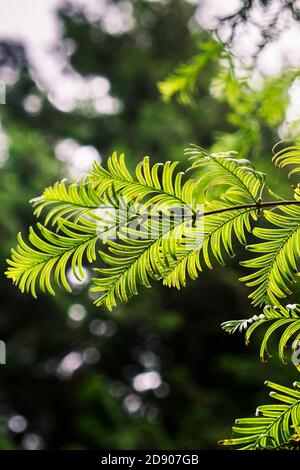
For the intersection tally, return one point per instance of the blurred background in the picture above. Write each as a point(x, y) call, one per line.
point(81, 81)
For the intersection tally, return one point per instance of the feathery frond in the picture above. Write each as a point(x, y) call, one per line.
point(220, 227)
point(274, 425)
point(276, 268)
point(244, 183)
point(276, 317)
point(135, 259)
point(218, 239)
point(288, 156)
point(75, 212)
point(153, 184)
point(75, 200)
point(143, 202)
point(47, 255)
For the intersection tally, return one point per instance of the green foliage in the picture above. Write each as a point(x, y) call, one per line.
point(49, 254)
point(223, 222)
point(218, 241)
point(70, 201)
point(148, 241)
point(276, 317)
point(274, 426)
point(276, 267)
point(151, 248)
point(226, 115)
point(184, 79)
point(148, 183)
point(250, 107)
point(243, 182)
point(288, 156)
point(277, 242)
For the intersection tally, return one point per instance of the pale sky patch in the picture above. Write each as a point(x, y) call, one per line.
point(36, 25)
point(277, 55)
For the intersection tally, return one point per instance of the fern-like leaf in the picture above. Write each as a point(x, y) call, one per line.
point(170, 253)
point(276, 317)
point(135, 259)
point(244, 183)
point(64, 201)
point(276, 268)
point(288, 156)
point(274, 425)
point(152, 184)
point(153, 190)
point(47, 254)
point(218, 241)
